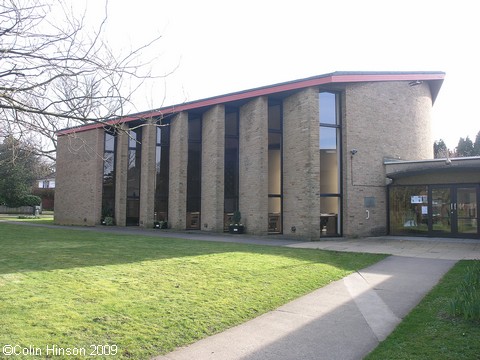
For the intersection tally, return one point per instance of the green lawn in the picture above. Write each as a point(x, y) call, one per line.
point(430, 332)
point(144, 294)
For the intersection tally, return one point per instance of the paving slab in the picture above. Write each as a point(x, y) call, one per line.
point(431, 248)
point(425, 247)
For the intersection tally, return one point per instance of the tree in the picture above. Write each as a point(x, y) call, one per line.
point(464, 147)
point(55, 74)
point(476, 145)
point(440, 149)
point(19, 167)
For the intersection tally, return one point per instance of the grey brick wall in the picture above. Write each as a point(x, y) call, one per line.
point(148, 173)
point(383, 119)
point(301, 165)
point(79, 178)
point(213, 156)
point(177, 202)
point(253, 165)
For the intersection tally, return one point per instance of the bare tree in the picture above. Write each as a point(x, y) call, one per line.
point(56, 74)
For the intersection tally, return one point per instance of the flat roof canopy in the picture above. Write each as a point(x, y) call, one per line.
point(404, 169)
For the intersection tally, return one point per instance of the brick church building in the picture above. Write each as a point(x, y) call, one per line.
point(307, 158)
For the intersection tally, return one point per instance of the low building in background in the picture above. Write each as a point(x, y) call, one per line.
point(45, 189)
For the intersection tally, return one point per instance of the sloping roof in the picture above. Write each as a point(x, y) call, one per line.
point(433, 78)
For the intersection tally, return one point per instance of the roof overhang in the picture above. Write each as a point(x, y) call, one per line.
point(404, 169)
point(433, 78)
point(439, 171)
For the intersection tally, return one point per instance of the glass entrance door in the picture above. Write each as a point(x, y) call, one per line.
point(466, 210)
point(454, 210)
point(441, 214)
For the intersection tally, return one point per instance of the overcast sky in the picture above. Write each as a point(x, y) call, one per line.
point(225, 46)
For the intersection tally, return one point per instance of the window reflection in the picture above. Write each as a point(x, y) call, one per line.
point(329, 172)
point(133, 176)
point(328, 108)
point(329, 215)
point(162, 171)
point(329, 140)
point(108, 189)
point(231, 167)
point(194, 170)
point(275, 167)
point(408, 209)
point(109, 142)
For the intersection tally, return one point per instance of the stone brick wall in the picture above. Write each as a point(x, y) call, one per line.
point(301, 165)
point(213, 156)
point(253, 165)
point(79, 178)
point(148, 174)
point(177, 202)
point(380, 120)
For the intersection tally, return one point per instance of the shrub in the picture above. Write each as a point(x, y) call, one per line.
point(28, 217)
point(237, 217)
point(107, 212)
point(109, 221)
point(160, 225)
point(466, 302)
point(31, 200)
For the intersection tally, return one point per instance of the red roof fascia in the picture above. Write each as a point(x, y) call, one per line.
point(386, 77)
point(90, 126)
point(294, 85)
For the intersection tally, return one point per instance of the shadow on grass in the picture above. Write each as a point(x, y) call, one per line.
point(41, 248)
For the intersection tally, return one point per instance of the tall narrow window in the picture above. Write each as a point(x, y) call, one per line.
point(133, 176)
point(194, 171)
point(231, 165)
point(330, 188)
point(162, 171)
point(275, 192)
point(108, 189)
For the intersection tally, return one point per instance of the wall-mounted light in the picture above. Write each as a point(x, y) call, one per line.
point(448, 161)
point(353, 151)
